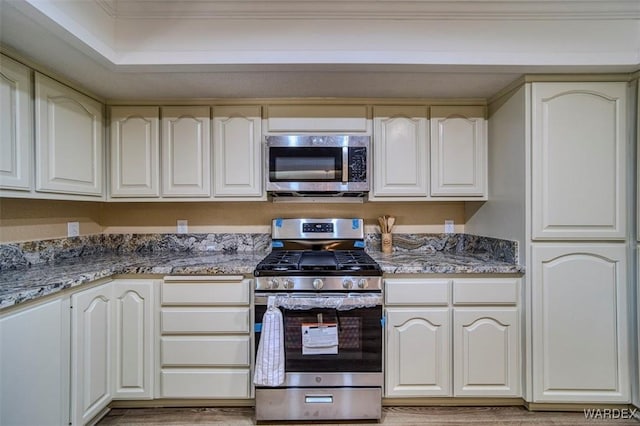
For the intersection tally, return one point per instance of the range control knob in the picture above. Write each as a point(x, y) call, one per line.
point(363, 283)
point(318, 283)
point(347, 283)
point(273, 283)
point(288, 284)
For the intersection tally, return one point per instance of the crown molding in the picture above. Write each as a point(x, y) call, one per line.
point(374, 9)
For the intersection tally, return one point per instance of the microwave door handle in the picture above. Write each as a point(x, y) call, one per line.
point(345, 165)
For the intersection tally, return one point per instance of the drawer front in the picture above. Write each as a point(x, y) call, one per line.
point(205, 383)
point(205, 292)
point(205, 351)
point(481, 291)
point(422, 292)
point(205, 320)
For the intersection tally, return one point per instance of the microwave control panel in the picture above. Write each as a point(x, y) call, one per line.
point(357, 164)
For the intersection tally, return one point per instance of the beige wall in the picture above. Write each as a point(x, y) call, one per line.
point(24, 220)
point(27, 220)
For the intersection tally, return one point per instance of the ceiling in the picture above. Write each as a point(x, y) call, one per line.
point(167, 49)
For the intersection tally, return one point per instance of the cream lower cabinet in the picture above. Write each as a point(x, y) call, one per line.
point(467, 344)
point(34, 365)
point(580, 323)
point(16, 126)
point(134, 318)
point(205, 341)
point(91, 352)
point(68, 139)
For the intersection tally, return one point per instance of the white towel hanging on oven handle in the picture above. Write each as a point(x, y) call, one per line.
point(270, 357)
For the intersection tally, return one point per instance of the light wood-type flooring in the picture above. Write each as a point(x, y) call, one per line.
point(403, 416)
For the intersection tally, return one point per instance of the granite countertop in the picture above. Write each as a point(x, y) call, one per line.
point(20, 285)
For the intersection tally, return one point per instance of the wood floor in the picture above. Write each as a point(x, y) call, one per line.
point(404, 416)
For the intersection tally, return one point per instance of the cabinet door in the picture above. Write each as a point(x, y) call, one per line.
point(418, 352)
point(186, 152)
point(579, 144)
point(91, 352)
point(400, 149)
point(134, 339)
point(69, 141)
point(579, 323)
point(458, 151)
point(16, 135)
point(34, 365)
point(237, 151)
point(486, 357)
point(135, 147)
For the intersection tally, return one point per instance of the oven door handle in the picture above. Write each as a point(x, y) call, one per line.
point(351, 299)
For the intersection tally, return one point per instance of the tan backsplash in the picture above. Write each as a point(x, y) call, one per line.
point(26, 220)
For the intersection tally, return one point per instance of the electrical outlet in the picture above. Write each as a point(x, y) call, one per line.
point(183, 226)
point(73, 229)
point(449, 227)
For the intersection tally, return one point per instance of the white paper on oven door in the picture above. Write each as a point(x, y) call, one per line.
point(320, 339)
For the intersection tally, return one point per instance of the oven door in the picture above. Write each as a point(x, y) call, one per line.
point(327, 340)
point(307, 168)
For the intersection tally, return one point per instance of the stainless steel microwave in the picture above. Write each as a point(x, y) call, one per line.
point(318, 165)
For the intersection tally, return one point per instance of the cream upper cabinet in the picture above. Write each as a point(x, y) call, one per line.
point(186, 151)
point(16, 124)
point(69, 140)
point(237, 151)
point(458, 151)
point(579, 148)
point(400, 152)
point(135, 149)
point(579, 322)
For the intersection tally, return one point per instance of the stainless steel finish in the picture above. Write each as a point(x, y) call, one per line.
point(345, 165)
point(291, 229)
point(329, 283)
point(313, 404)
point(319, 141)
point(317, 283)
point(262, 298)
point(332, 379)
point(299, 188)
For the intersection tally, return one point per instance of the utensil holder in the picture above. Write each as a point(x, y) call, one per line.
point(386, 243)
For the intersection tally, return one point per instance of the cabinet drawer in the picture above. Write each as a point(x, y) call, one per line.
point(417, 292)
point(483, 291)
point(205, 383)
point(231, 290)
point(205, 320)
point(205, 351)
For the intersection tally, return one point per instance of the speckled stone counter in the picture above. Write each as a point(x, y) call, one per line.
point(35, 269)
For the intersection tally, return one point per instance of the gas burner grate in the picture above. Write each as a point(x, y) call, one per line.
point(352, 260)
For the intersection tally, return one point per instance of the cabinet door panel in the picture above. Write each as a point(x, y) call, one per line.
point(579, 160)
point(135, 147)
point(486, 352)
point(16, 135)
point(186, 152)
point(68, 140)
point(237, 152)
point(400, 152)
point(91, 353)
point(418, 352)
point(580, 321)
point(458, 151)
point(134, 332)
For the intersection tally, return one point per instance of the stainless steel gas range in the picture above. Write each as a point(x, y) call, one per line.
point(322, 357)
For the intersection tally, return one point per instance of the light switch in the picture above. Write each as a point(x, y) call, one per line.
point(183, 226)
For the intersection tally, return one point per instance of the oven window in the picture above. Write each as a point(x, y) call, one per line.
point(359, 338)
point(305, 164)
